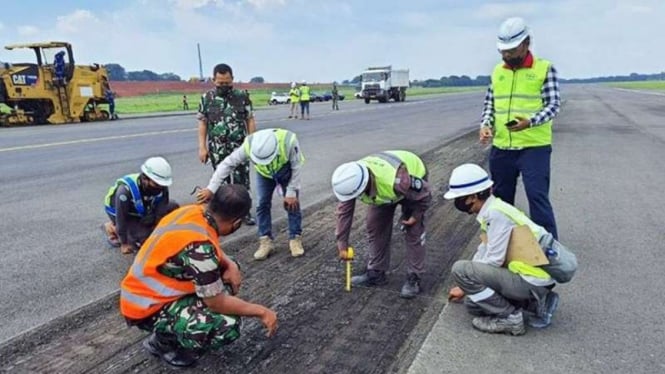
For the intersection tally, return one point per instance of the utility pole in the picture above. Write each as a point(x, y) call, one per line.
point(198, 47)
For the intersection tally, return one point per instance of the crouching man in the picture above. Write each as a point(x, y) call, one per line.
point(182, 288)
point(502, 295)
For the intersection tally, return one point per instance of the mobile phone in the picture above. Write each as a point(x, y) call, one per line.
point(511, 123)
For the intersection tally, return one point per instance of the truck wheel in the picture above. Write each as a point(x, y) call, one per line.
point(366, 101)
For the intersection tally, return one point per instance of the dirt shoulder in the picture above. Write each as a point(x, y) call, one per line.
point(323, 329)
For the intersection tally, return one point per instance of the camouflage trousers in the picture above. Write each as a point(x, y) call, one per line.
point(240, 174)
point(193, 325)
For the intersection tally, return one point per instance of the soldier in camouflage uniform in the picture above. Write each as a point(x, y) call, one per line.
point(209, 317)
point(225, 119)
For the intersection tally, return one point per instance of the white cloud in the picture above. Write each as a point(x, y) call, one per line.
point(323, 41)
point(262, 4)
point(80, 20)
point(191, 4)
point(27, 30)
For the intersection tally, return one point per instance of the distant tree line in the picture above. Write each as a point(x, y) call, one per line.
point(118, 73)
point(484, 80)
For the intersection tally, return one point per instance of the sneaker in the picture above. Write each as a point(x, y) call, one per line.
point(265, 247)
point(169, 352)
point(249, 220)
point(513, 324)
point(295, 245)
point(544, 311)
point(411, 287)
point(370, 278)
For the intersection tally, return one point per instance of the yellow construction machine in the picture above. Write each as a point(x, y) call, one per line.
point(53, 90)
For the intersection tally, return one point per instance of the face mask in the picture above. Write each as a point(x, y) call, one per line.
point(514, 62)
point(461, 205)
point(152, 191)
point(223, 90)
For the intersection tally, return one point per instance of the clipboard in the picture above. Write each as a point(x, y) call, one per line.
point(523, 247)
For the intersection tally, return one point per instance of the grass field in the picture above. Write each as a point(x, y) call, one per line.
point(646, 85)
point(168, 102)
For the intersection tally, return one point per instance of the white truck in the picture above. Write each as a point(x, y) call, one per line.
point(383, 83)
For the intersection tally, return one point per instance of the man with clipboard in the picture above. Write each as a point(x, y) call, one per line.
point(506, 279)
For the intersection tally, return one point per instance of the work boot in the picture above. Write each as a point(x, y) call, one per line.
point(544, 311)
point(370, 278)
point(169, 351)
point(265, 247)
point(513, 324)
point(109, 233)
point(249, 220)
point(411, 287)
point(295, 245)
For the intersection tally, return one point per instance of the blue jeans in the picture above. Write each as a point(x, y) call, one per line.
point(534, 165)
point(264, 189)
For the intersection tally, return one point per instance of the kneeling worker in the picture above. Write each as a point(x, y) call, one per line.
point(385, 180)
point(136, 203)
point(498, 292)
point(277, 158)
point(182, 287)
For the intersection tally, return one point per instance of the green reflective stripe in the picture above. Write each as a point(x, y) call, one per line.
point(142, 301)
point(517, 96)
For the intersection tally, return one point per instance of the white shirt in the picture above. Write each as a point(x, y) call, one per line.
point(238, 156)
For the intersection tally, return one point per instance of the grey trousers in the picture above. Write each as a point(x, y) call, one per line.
point(493, 290)
point(379, 232)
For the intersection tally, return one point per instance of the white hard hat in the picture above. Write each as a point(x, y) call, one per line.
point(512, 32)
point(303, 82)
point(158, 170)
point(293, 84)
point(467, 179)
point(350, 180)
point(263, 147)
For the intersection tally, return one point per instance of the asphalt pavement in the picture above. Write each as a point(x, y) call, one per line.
point(53, 180)
point(606, 188)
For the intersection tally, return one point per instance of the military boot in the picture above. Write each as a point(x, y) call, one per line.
point(265, 247)
point(512, 324)
point(411, 287)
point(370, 278)
point(295, 245)
point(169, 351)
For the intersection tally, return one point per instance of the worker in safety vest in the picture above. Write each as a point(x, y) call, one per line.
point(385, 180)
point(502, 295)
point(136, 203)
point(183, 288)
point(294, 97)
point(304, 100)
point(520, 103)
point(278, 159)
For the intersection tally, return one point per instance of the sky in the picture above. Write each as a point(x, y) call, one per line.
point(328, 40)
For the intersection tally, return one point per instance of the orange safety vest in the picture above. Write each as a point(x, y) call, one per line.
point(144, 291)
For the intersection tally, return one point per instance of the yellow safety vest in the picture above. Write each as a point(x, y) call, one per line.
point(285, 139)
point(384, 168)
point(519, 218)
point(132, 182)
point(304, 93)
point(294, 95)
point(518, 93)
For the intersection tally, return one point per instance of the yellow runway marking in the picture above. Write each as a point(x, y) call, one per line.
point(91, 140)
